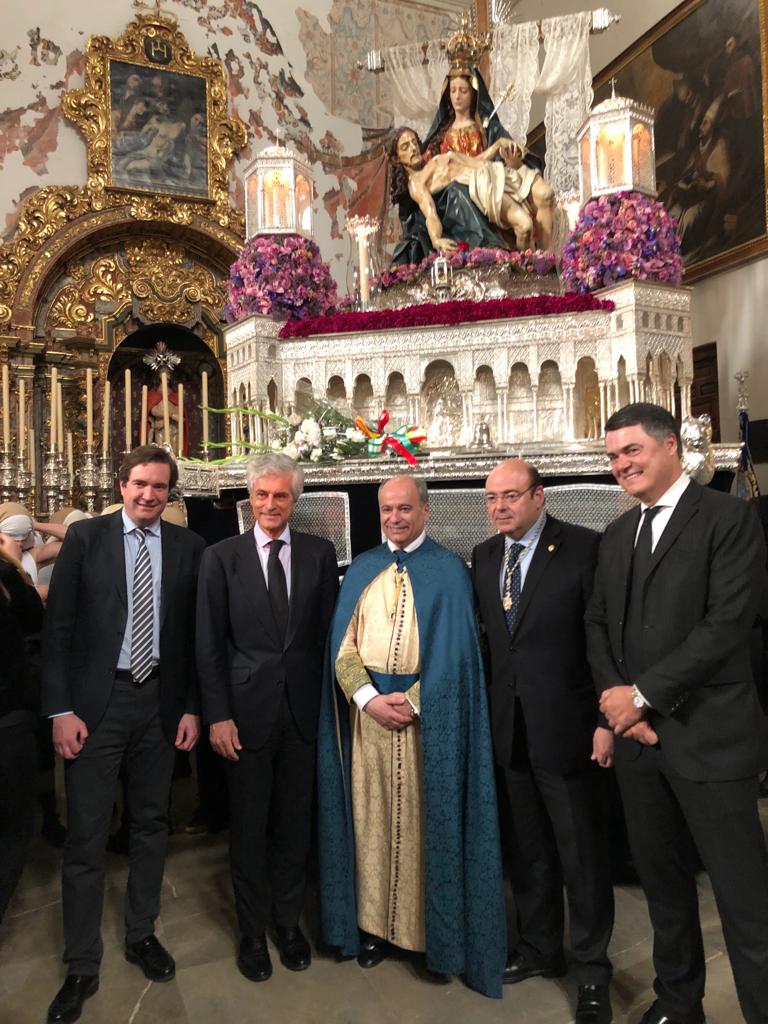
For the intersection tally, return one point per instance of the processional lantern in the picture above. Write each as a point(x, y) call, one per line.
point(616, 149)
point(279, 188)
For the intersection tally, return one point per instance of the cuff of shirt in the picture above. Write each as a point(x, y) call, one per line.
point(642, 698)
point(415, 709)
point(60, 714)
point(366, 692)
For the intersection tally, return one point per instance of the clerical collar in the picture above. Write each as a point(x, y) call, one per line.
point(670, 497)
point(409, 547)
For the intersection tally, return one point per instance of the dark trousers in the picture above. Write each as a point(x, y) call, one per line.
point(270, 792)
point(18, 791)
point(551, 836)
point(129, 734)
point(661, 808)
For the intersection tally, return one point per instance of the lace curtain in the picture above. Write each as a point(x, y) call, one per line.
point(415, 87)
point(566, 82)
point(515, 57)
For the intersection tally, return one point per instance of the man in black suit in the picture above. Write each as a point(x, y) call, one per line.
point(265, 602)
point(533, 580)
point(119, 683)
point(676, 592)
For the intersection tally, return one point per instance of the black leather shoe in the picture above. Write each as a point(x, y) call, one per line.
point(520, 969)
point(372, 950)
point(295, 953)
point(656, 1015)
point(253, 960)
point(68, 1004)
point(593, 1005)
point(152, 957)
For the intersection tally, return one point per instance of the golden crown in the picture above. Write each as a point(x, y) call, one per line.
point(464, 49)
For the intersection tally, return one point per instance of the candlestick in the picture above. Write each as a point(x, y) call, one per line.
point(7, 476)
point(6, 409)
point(166, 408)
point(128, 444)
point(89, 409)
point(51, 477)
point(106, 480)
point(205, 413)
point(21, 439)
point(32, 453)
point(89, 479)
point(105, 420)
point(54, 385)
point(143, 426)
point(181, 419)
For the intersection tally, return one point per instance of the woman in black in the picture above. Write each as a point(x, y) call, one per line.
point(21, 613)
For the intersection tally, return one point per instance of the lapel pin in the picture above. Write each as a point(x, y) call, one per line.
point(551, 548)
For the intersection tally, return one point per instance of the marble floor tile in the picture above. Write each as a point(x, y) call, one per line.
point(198, 925)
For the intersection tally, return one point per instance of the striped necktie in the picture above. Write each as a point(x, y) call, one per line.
point(142, 627)
point(512, 584)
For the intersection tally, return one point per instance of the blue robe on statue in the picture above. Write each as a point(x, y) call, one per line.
point(464, 905)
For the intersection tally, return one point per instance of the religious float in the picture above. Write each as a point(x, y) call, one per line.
point(496, 329)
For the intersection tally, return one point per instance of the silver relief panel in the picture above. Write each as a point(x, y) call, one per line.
point(322, 513)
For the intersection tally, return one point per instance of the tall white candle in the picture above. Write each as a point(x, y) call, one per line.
point(105, 419)
point(143, 426)
point(166, 408)
point(365, 280)
point(54, 386)
point(60, 417)
point(181, 419)
point(6, 408)
point(89, 409)
point(21, 446)
point(205, 409)
point(32, 463)
point(128, 440)
point(70, 459)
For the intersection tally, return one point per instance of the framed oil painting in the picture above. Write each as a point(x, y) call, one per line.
point(702, 70)
point(158, 135)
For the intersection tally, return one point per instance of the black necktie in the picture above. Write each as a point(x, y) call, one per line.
point(401, 557)
point(278, 589)
point(641, 560)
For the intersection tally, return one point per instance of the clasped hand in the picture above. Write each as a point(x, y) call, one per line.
point(624, 718)
point(390, 710)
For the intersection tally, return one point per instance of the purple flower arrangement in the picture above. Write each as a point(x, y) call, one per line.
point(625, 236)
point(531, 261)
point(282, 276)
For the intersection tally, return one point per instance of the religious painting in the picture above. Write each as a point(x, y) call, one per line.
point(158, 130)
point(702, 70)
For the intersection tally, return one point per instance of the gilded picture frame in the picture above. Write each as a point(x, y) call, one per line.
point(703, 69)
point(184, 139)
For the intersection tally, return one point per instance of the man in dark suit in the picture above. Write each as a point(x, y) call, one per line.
point(265, 602)
point(119, 683)
point(532, 581)
point(676, 592)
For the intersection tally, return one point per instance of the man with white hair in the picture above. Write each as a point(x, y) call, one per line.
point(265, 601)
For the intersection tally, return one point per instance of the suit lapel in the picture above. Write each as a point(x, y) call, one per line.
point(621, 578)
point(117, 557)
point(295, 601)
point(549, 542)
point(252, 578)
point(169, 545)
point(491, 575)
point(687, 506)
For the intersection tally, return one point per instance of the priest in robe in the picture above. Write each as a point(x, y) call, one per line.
point(408, 830)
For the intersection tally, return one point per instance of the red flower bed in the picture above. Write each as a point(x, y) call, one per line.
point(428, 314)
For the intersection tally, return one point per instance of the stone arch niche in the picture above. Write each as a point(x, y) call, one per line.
point(363, 400)
point(550, 402)
point(484, 397)
point(520, 404)
point(586, 408)
point(622, 384)
point(441, 404)
point(303, 397)
point(396, 399)
point(336, 391)
point(272, 395)
point(149, 351)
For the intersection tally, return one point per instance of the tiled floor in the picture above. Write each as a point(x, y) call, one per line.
point(198, 926)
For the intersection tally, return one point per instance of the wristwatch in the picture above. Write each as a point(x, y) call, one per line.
point(637, 698)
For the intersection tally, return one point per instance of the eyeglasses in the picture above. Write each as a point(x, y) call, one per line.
point(509, 497)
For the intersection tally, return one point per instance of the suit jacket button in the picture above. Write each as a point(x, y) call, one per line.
point(619, 661)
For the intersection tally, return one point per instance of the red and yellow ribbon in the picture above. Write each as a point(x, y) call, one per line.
point(404, 440)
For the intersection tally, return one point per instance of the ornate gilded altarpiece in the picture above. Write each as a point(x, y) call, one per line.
point(151, 235)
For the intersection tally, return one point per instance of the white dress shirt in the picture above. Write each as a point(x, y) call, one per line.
point(263, 540)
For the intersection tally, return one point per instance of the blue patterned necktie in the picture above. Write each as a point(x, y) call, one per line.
point(401, 557)
point(512, 584)
point(142, 627)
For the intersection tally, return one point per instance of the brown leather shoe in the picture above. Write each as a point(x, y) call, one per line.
point(68, 1002)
